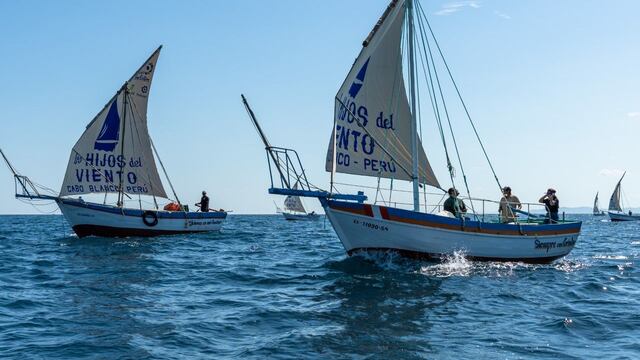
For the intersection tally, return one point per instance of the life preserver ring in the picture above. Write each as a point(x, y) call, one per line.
point(150, 218)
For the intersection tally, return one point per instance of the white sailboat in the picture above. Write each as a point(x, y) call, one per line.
point(114, 155)
point(596, 207)
point(616, 211)
point(376, 135)
point(294, 208)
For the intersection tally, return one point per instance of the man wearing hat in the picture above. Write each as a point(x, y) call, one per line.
point(508, 202)
point(204, 202)
point(552, 204)
point(454, 205)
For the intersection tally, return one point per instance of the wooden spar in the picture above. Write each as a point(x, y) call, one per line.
point(264, 139)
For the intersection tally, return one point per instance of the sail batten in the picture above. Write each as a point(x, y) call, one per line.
point(372, 118)
point(115, 147)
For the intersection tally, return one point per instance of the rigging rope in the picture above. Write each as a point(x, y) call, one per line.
point(425, 40)
point(464, 105)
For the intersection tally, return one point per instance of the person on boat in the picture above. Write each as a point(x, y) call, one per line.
point(454, 205)
point(552, 204)
point(204, 202)
point(507, 204)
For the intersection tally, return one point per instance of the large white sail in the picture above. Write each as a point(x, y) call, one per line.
point(372, 115)
point(293, 203)
point(115, 148)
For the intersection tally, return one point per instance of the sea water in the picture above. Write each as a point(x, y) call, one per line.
point(267, 288)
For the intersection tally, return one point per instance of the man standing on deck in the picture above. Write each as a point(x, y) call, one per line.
point(552, 204)
point(508, 202)
point(454, 205)
point(204, 202)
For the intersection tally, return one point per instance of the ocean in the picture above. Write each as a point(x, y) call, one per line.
point(265, 288)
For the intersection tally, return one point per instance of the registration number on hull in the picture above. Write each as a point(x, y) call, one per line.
point(370, 225)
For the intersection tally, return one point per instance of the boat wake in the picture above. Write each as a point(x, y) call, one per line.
point(458, 265)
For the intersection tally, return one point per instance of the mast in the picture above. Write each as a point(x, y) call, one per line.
point(414, 122)
point(124, 124)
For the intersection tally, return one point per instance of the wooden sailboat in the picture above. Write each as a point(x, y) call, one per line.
point(616, 211)
point(596, 207)
point(114, 156)
point(376, 135)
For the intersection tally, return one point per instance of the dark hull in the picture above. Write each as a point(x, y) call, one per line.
point(108, 231)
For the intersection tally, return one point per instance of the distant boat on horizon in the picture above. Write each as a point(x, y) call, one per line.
point(294, 208)
point(616, 211)
point(596, 209)
point(115, 155)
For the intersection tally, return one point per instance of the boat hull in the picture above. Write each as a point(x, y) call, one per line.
point(90, 219)
point(371, 227)
point(300, 217)
point(620, 216)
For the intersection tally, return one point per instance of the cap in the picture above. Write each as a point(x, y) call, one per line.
point(506, 188)
point(551, 190)
point(204, 192)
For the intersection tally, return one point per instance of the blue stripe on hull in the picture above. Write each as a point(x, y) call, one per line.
point(136, 212)
point(397, 214)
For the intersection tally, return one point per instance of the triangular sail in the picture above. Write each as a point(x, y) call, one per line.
point(115, 148)
point(614, 202)
point(596, 210)
point(372, 131)
point(293, 203)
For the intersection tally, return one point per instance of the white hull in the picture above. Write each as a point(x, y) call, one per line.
point(373, 232)
point(101, 220)
point(621, 216)
point(307, 217)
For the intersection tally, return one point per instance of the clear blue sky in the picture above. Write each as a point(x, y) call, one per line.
point(552, 85)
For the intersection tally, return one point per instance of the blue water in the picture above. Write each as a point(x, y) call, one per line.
point(267, 288)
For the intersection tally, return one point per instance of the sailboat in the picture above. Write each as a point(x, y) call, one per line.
point(616, 211)
point(114, 155)
point(294, 208)
point(376, 134)
point(596, 207)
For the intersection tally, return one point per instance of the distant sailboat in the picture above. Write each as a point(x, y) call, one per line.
point(596, 209)
point(376, 134)
point(115, 155)
point(294, 209)
point(616, 211)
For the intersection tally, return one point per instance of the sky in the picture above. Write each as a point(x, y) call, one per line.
point(551, 85)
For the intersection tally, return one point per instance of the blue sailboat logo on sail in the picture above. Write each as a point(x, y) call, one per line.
point(110, 132)
point(359, 81)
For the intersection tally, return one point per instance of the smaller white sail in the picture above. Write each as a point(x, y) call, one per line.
point(115, 147)
point(614, 202)
point(293, 203)
point(595, 205)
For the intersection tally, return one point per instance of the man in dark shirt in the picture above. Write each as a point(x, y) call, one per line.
point(552, 204)
point(204, 202)
point(454, 205)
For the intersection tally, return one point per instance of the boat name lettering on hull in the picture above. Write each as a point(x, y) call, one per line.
point(200, 223)
point(546, 245)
